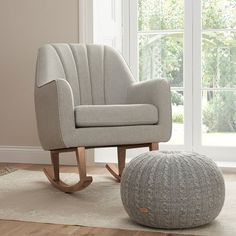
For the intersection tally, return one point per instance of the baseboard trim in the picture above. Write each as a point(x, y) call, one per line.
point(36, 155)
point(109, 155)
point(227, 167)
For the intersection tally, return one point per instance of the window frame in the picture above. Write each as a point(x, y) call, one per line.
point(192, 72)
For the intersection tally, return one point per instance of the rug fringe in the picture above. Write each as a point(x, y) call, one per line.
point(7, 170)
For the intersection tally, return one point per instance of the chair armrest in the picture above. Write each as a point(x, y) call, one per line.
point(157, 93)
point(54, 106)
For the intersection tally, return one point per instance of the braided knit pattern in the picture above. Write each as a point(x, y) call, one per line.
point(172, 190)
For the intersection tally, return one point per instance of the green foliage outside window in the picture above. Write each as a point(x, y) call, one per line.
point(161, 55)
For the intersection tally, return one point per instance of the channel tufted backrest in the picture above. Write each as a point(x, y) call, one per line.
point(97, 74)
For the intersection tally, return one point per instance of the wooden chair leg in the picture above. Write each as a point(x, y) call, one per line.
point(121, 153)
point(117, 172)
point(53, 175)
point(55, 165)
point(154, 146)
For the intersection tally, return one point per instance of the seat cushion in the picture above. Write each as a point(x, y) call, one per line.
point(115, 115)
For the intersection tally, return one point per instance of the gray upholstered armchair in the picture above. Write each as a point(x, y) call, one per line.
point(86, 97)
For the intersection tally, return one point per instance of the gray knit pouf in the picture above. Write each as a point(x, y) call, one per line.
point(172, 189)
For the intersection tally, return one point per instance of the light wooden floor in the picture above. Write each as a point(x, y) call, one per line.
point(17, 228)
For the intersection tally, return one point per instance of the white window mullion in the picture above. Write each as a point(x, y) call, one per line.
point(188, 74)
point(126, 30)
point(107, 23)
point(197, 98)
point(133, 37)
point(85, 21)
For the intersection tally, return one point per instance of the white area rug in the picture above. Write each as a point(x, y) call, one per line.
point(28, 196)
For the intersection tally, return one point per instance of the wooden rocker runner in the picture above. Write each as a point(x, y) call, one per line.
point(53, 173)
point(121, 154)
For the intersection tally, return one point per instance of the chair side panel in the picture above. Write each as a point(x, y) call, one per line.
point(49, 66)
point(68, 62)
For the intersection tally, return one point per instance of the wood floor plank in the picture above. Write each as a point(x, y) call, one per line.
point(12, 228)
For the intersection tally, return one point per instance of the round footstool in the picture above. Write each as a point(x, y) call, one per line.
point(172, 189)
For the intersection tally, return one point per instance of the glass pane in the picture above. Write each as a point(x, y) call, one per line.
point(160, 14)
point(161, 56)
point(177, 99)
point(219, 59)
point(219, 118)
point(218, 14)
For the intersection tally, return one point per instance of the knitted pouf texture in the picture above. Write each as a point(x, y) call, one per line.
point(172, 190)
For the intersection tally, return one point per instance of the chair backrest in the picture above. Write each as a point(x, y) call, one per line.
point(97, 74)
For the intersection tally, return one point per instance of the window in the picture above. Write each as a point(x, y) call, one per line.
point(160, 37)
point(193, 45)
point(218, 72)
